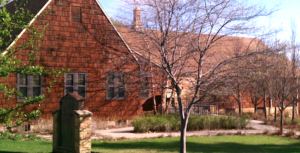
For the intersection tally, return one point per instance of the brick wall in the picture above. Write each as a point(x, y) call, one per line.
point(92, 46)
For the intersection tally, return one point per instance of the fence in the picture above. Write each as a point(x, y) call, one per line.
point(196, 110)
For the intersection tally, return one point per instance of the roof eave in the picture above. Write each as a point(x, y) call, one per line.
point(127, 46)
point(24, 30)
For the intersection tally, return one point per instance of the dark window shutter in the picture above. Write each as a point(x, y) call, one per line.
point(76, 14)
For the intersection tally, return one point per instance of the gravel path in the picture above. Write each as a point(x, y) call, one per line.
point(258, 127)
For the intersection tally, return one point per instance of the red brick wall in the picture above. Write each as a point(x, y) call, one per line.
point(231, 103)
point(92, 46)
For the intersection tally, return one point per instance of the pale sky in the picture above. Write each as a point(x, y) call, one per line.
point(288, 10)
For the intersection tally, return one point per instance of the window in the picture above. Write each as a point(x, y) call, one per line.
point(169, 96)
point(29, 86)
point(144, 91)
point(115, 85)
point(76, 14)
point(76, 82)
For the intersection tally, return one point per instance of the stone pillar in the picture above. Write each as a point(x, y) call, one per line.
point(72, 126)
point(83, 128)
point(137, 23)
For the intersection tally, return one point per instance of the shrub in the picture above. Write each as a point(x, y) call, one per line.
point(231, 123)
point(243, 121)
point(290, 133)
point(24, 136)
point(33, 137)
point(17, 137)
point(170, 122)
point(5, 135)
point(214, 122)
point(140, 125)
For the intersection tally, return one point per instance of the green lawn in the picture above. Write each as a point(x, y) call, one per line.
point(221, 144)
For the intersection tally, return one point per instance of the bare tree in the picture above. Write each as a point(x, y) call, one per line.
point(294, 52)
point(238, 89)
point(282, 87)
point(262, 81)
point(185, 39)
point(255, 93)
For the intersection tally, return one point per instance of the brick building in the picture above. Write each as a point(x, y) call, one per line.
point(103, 68)
point(142, 42)
point(80, 37)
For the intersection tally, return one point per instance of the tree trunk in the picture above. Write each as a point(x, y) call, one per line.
point(240, 108)
point(293, 112)
point(154, 104)
point(275, 113)
point(153, 92)
point(184, 119)
point(255, 109)
point(164, 97)
point(152, 84)
point(183, 134)
point(265, 106)
point(270, 105)
point(281, 121)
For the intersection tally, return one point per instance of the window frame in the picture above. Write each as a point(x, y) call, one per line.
point(29, 86)
point(75, 82)
point(115, 85)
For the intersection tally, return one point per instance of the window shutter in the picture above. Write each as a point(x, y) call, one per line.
point(76, 14)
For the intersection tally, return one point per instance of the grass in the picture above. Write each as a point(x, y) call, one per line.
point(214, 144)
point(289, 120)
point(7, 146)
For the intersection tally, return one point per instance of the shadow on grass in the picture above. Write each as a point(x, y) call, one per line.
point(199, 147)
point(10, 146)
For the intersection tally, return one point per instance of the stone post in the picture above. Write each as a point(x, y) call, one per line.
point(83, 124)
point(72, 126)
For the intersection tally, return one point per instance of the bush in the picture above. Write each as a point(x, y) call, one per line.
point(33, 137)
point(159, 123)
point(17, 137)
point(5, 135)
point(171, 122)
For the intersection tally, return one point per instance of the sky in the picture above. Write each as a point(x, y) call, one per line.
point(288, 10)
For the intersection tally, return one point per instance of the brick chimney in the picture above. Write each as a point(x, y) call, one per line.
point(137, 23)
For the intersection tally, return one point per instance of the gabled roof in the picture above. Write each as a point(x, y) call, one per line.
point(33, 6)
point(36, 7)
point(225, 48)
